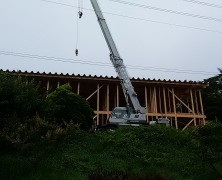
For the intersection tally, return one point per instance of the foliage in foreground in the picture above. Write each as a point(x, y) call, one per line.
point(153, 152)
point(26, 115)
point(63, 106)
point(212, 97)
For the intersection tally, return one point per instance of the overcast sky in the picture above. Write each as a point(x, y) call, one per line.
point(149, 48)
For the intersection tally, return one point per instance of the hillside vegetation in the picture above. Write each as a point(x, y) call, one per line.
point(47, 136)
point(153, 152)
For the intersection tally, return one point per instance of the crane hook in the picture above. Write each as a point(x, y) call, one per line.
point(77, 52)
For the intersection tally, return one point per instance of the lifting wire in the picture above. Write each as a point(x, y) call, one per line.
point(79, 16)
point(77, 35)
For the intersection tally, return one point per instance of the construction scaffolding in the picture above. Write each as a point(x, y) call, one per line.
point(181, 102)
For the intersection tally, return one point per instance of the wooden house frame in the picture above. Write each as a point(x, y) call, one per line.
point(181, 102)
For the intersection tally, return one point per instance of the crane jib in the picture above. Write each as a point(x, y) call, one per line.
point(117, 62)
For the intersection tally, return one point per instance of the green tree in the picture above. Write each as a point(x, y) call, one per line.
point(63, 106)
point(210, 137)
point(19, 100)
point(20, 104)
point(212, 97)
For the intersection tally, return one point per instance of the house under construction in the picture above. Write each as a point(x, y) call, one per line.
point(181, 102)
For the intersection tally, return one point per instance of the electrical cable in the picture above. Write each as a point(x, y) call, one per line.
point(69, 60)
point(204, 3)
point(140, 19)
point(168, 10)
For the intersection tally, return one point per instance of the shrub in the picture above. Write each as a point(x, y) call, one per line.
point(63, 106)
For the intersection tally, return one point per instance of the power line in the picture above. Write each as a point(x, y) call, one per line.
point(140, 19)
point(168, 10)
point(93, 63)
point(204, 3)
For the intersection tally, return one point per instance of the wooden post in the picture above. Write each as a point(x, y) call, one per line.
point(155, 102)
point(201, 107)
point(196, 102)
point(98, 104)
point(160, 102)
point(170, 110)
point(78, 88)
point(146, 101)
point(47, 88)
point(107, 100)
point(164, 100)
point(117, 95)
point(174, 108)
point(192, 104)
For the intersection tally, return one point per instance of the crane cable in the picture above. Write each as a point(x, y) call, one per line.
point(79, 16)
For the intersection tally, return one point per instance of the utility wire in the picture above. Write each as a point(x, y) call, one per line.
point(69, 60)
point(140, 19)
point(168, 10)
point(204, 3)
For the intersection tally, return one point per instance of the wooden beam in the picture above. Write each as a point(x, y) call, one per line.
point(47, 88)
point(107, 99)
point(164, 100)
point(155, 101)
point(180, 100)
point(201, 107)
point(169, 100)
point(160, 101)
point(196, 102)
point(98, 88)
point(188, 124)
point(146, 101)
point(78, 88)
point(117, 95)
point(174, 108)
point(94, 93)
point(192, 104)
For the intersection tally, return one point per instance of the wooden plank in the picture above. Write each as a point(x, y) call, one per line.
point(160, 101)
point(192, 105)
point(164, 100)
point(98, 88)
point(146, 101)
point(196, 102)
point(174, 108)
point(47, 88)
point(107, 100)
point(180, 101)
point(78, 88)
point(188, 124)
point(201, 107)
point(155, 101)
point(117, 95)
point(94, 93)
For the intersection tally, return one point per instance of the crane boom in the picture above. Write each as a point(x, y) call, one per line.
point(117, 62)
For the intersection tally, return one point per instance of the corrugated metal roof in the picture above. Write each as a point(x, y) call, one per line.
point(101, 77)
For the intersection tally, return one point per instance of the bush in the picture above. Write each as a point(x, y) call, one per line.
point(63, 106)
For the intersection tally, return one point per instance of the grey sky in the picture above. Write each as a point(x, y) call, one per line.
point(47, 29)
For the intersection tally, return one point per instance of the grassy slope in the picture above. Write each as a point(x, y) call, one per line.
point(129, 153)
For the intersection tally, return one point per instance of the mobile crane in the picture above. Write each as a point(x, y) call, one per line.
point(133, 113)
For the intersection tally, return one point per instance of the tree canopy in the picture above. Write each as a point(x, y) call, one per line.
point(64, 106)
point(212, 97)
point(18, 99)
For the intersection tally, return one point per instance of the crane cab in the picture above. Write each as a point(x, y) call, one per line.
point(124, 115)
